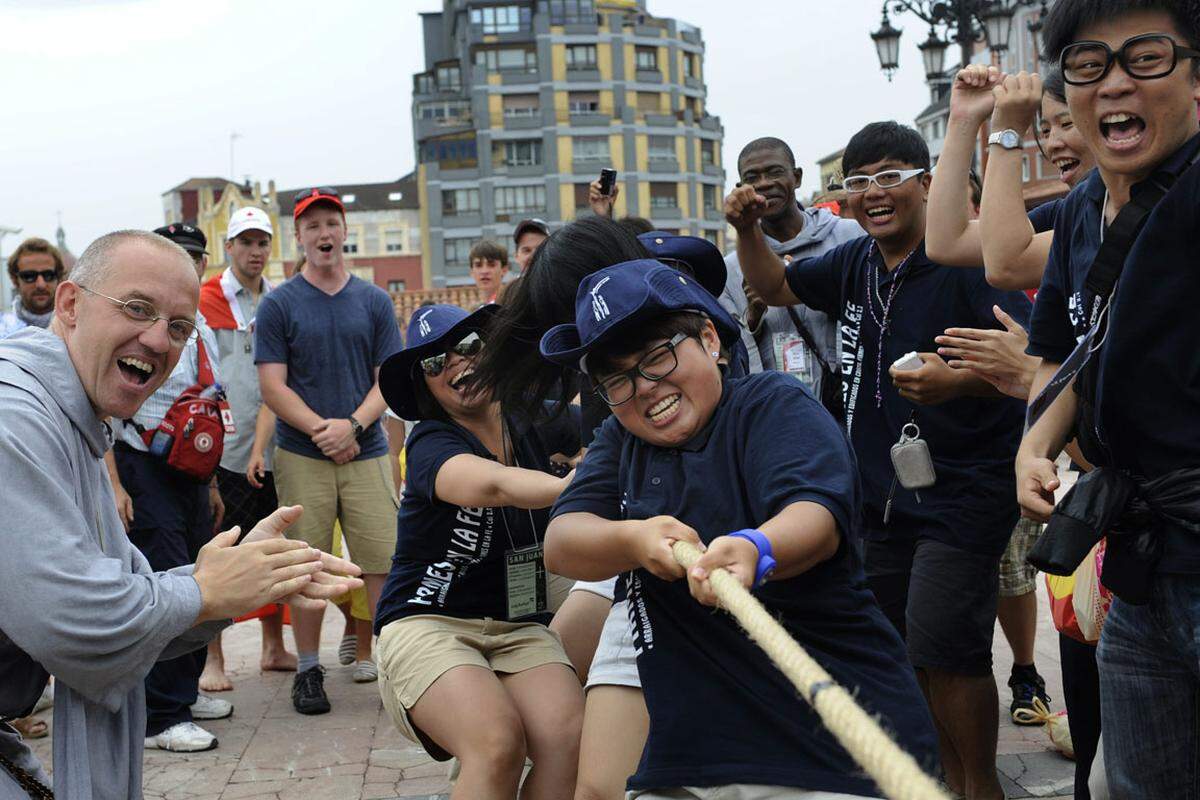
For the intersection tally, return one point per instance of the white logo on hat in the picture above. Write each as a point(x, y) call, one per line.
point(599, 305)
point(423, 324)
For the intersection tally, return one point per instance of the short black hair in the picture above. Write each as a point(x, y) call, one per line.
point(1066, 17)
point(601, 361)
point(880, 141)
point(636, 225)
point(1053, 83)
point(975, 187)
point(489, 250)
point(766, 143)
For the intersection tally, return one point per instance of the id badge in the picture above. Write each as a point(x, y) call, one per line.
point(791, 356)
point(525, 582)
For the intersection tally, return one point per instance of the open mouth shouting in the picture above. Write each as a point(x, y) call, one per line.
point(135, 370)
point(881, 214)
point(664, 411)
point(1067, 168)
point(1122, 131)
point(325, 248)
point(458, 382)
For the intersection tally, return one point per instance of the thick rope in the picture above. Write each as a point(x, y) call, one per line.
point(895, 771)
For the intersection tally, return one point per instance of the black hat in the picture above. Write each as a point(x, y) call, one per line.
point(527, 225)
point(189, 238)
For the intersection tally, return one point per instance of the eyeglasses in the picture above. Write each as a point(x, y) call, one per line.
point(31, 275)
point(320, 191)
point(658, 363)
point(888, 179)
point(468, 346)
point(1145, 57)
point(180, 331)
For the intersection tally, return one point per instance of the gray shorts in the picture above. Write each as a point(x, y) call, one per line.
point(615, 662)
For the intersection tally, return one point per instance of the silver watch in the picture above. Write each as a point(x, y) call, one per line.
point(1007, 138)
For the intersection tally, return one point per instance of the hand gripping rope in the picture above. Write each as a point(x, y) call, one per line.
point(895, 771)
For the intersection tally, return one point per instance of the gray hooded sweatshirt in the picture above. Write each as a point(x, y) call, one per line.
point(822, 231)
point(76, 598)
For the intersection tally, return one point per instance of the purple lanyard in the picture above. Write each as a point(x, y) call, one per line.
point(886, 307)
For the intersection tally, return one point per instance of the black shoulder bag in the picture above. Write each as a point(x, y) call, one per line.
point(831, 381)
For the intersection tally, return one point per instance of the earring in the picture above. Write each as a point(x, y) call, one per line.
point(716, 354)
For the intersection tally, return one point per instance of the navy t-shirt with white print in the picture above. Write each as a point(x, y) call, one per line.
point(449, 559)
point(972, 440)
point(720, 712)
point(1148, 384)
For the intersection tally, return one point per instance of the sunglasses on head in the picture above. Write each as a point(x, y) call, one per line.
point(320, 191)
point(467, 346)
point(31, 275)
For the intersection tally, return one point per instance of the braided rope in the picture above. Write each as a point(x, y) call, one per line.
point(895, 771)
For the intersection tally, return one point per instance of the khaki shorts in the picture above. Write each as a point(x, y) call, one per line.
point(739, 791)
point(361, 495)
point(413, 652)
point(1017, 576)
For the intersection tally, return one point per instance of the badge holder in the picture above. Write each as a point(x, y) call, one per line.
point(913, 465)
point(525, 582)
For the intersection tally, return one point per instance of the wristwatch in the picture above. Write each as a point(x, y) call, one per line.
point(766, 561)
point(356, 425)
point(1007, 138)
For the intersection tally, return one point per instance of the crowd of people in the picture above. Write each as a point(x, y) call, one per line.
point(859, 416)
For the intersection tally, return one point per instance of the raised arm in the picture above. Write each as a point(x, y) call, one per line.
point(951, 237)
point(763, 270)
point(1014, 257)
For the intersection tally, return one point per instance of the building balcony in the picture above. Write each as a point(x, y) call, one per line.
point(517, 216)
point(580, 27)
point(516, 77)
point(590, 119)
point(590, 166)
point(661, 120)
point(693, 83)
point(690, 36)
point(442, 126)
point(670, 165)
point(665, 212)
point(523, 122)
point(520, 170)
point(713, 169)
point(472, 219)
point(648, 76)
point(655, 28)
point(714, 215)
point(710, 123)
point(583, 75)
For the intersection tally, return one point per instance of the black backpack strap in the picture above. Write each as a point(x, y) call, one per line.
point(802, 329)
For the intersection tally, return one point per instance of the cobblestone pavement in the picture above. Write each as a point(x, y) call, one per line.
point(267, 750)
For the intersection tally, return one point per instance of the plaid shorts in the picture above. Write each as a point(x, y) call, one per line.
point(1016, 574)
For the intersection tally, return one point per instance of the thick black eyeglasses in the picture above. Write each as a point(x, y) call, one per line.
point(657, 364)
point(320, 191)
point(31, 275)
point(1145, 57)
point(467, 346)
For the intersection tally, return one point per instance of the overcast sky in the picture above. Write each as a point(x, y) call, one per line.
point(106, 104)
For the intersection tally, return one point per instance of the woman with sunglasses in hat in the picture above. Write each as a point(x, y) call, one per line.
point(467, 665)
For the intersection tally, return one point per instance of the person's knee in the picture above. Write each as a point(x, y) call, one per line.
point(497, 748)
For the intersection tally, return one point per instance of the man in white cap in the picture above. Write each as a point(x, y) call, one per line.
point(229, 302)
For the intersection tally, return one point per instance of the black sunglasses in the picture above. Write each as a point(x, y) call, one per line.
point(31, 275)
point(467, 346)
point(1145, 57)
point(320, 191)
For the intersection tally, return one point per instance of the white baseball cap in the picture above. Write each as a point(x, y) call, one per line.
point(249, 219)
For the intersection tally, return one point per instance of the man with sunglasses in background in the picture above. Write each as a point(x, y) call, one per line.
point(169, 517)
point(35, 269)
point(1132, 73)
point(779, 338)
point(932, 554)
point(319, 342)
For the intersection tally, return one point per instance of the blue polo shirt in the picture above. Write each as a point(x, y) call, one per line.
point(720, 712)
point(331, 345)
point(972, 440)
point(1042, 217)
point(449, 559)
point(1148, 399)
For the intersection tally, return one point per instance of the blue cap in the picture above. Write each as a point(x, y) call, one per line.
point(431, 330)
point(610, 300)
point(699, 257)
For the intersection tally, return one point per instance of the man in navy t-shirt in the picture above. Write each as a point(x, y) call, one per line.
point(1133, 79)
point(319, 341)
point(932, 558)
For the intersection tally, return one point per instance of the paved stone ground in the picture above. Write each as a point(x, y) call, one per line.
point(354, 753)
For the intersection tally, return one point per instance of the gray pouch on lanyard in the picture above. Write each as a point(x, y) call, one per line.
point(911, 460)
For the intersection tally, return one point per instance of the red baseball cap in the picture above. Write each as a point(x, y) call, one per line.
point(305, 198)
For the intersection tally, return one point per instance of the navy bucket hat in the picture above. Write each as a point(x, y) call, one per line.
point(698, 256)
point(616, 297)
point(431, 330)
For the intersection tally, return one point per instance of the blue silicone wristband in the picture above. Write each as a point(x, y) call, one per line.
point(766, 562)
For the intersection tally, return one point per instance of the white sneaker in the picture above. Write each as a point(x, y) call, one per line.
point(207, 707)
point(365, 672)
point(186, 737)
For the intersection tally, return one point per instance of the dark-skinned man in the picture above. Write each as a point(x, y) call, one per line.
point(792, 232)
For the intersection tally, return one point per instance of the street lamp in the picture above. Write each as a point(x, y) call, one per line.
point(997, 24)
point(1035, 29)
point(887, 45)
point(933, 54)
